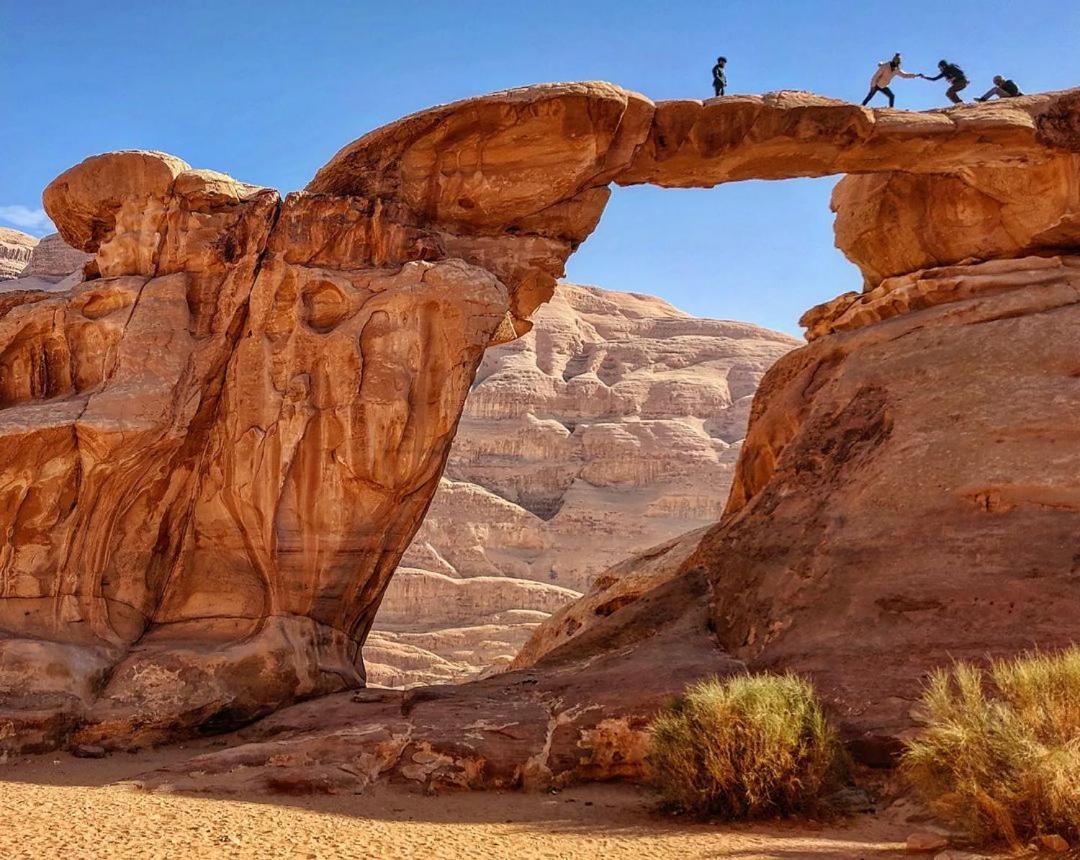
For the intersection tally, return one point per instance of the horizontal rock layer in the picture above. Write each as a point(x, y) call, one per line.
point(54, 259)
point(612, 426)
point(907, 493)
point(15, 250)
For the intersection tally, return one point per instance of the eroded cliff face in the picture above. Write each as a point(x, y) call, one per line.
point(218, 443)
point(612, 426)
point(908, 492)
point(15, 250)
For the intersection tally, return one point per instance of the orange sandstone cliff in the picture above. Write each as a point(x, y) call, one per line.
point(219, 443)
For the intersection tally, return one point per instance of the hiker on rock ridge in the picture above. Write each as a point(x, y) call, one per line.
point(719, 79)
point(886, 71)
point(954, 75)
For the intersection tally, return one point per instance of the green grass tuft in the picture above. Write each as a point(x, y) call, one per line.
point(1001, 752)
point(746, 747)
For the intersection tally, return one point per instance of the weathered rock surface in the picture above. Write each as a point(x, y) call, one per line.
point(54, 259)
point(220, 442)
point(787, 134)
point(217, 446)
point(614, 424)
point(894, 223)
point(15, 250)
point(579, 714)
point(436, 628)
point(514, 181)
point(623, 584)
point(610, 427)
point(908, 492)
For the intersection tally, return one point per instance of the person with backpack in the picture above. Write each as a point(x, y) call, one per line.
point(886, 71)
point(1003, 88)
point(954, 75)
point(719, 79)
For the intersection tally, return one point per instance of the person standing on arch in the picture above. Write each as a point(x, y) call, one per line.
point(719, 79)
point(886, 71)
point(954, 75)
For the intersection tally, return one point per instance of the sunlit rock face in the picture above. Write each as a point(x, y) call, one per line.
point(610, 427)
point(908, 491)
point(620, 585)
point(218, 443)
point(54, 260)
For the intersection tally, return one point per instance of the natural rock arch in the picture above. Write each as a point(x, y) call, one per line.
point(200, 522)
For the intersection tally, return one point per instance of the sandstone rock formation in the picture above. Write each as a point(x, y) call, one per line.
point(908, 490)
point(53, 259)
point(220, 443)
point(434, 628)
point(621, 585)
point(610, 427)
point(217, 446)
point(15, 249)
point(578, 714)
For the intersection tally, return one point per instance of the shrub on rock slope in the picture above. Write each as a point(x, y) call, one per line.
point(746, 747)
point(1001, 752)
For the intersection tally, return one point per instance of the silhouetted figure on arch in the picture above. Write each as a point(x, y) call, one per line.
point(719, 79)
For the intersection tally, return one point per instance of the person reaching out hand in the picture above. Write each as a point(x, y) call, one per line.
point(954, 75)
point(886, 71)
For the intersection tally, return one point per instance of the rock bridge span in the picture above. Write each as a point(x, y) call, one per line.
point(219, 443)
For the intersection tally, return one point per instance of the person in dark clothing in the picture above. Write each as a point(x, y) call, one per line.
point(1003, 88)
point(955, 76)
point(883, 76)
point(719, 79)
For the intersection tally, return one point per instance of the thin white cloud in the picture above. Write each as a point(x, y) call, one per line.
point(24, 218)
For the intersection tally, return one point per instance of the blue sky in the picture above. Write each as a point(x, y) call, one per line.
point(268, 91)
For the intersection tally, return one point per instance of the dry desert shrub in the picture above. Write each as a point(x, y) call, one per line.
point(1001, 751)
point(746, 747)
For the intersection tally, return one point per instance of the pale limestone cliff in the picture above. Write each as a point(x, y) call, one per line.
point(610, 427)
point(15, 250)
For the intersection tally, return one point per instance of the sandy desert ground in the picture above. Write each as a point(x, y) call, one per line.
point(57, 806)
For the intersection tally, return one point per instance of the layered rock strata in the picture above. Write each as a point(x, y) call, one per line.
point(621, 585)
point(15, 250)
point(53, 259)
point(218, 444)
point(610, 427)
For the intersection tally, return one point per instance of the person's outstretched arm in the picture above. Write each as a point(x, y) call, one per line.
point(935, 78)
point(904, 74)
